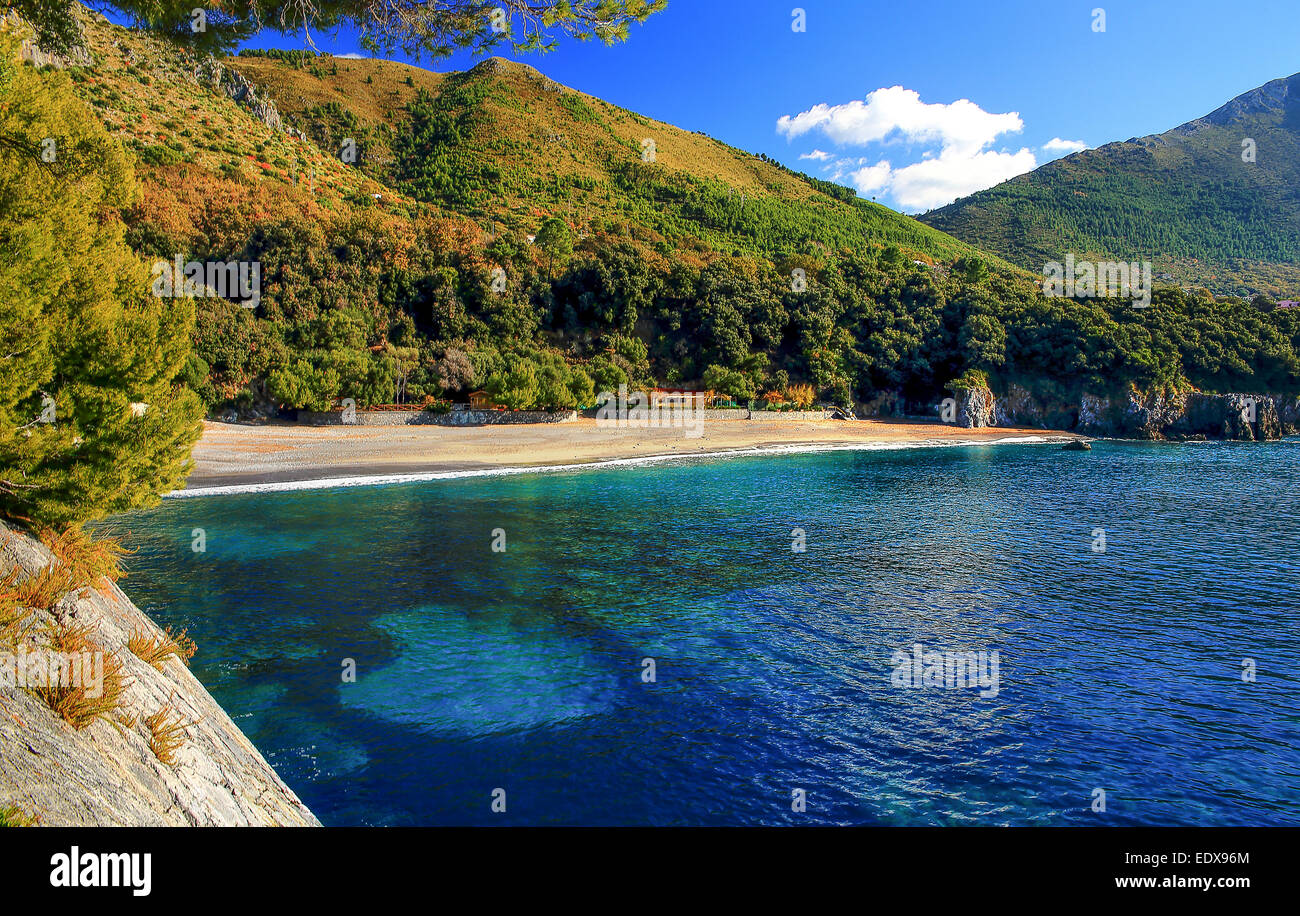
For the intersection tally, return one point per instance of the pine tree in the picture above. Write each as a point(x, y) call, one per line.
point(91, 419)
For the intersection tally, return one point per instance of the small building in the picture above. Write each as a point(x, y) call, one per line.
point(481, 400)
point(1288, 304)
point(672, 399)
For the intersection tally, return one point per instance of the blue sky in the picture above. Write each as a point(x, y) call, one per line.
point(734, 68)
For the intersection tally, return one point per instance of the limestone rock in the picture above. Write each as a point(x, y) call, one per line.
point(974, 408)
point(1234, 416)
point(216, 76)
point(30, 52)
point(106, 774)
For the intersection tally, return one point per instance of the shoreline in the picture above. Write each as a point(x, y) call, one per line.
point(235, 458)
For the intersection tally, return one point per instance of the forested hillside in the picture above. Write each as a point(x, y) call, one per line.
point(1215, 202)
point(421, 235)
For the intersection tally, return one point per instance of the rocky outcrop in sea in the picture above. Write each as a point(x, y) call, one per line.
point(1146, 415)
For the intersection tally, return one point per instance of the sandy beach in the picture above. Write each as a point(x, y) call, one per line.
point(232, 455)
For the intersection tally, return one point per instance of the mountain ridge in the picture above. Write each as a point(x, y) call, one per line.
point(1212, 202)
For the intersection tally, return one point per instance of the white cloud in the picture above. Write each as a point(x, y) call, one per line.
point(352, 55)
point(872, 178)
point(962, 124)
point(935, 182)
point(818, 155)
point(962, 131)
point(1057, 145)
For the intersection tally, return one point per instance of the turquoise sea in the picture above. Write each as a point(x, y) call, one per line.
point(1163, 670)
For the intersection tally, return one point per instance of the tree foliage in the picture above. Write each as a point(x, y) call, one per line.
point(91, 419)
point(435, 28)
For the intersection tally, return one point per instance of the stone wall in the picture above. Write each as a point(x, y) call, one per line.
point(425, 418)
point(767, 416)
point(497, 417)
point(784, 416)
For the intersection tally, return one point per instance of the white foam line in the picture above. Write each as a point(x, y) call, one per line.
point(376, 480)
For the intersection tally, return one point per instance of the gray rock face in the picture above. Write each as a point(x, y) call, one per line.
point(975, 408)
point(1140, 415)
point(1235, 416)
point(1147, 416)
point(106, 774)
point(884, 404)
point(216, 76)
point(1288, 415)
point(30, 52)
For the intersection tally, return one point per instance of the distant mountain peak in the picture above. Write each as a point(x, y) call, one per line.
point(1274, 96)
point(500, 66)
point(1212, 202)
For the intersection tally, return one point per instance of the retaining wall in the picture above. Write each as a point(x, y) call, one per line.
point(425, 418)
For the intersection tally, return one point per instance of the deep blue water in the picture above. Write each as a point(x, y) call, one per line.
point(522, 670)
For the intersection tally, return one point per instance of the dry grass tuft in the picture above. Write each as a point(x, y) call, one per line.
point(89, 561)
point(80, 563)
point(72, 702)
point(11, 816)
point(12, 611)
point(166, 733)
point(155, 651)
point(44, 588)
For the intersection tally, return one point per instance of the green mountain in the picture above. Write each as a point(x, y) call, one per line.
point(504, 142)
point(380, 198)
point(1215, 202)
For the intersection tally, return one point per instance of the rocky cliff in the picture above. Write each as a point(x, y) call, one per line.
point(1151, 415)
point(215, 75)
point(152, 749)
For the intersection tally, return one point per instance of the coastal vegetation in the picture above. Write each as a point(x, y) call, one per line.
point(499, 232)
point(81, 340)
point(421, 237)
